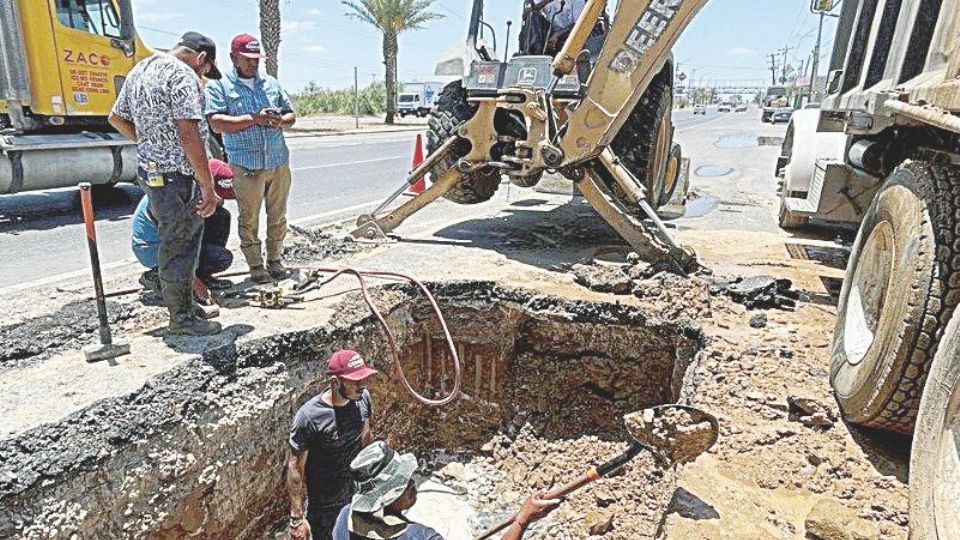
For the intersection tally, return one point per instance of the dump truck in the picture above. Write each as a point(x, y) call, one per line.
point(597, 112)
point(882, 156)
point(61, 67)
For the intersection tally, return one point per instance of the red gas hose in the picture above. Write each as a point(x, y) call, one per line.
point(391, 339)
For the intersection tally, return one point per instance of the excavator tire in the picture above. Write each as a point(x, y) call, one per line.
point(450, 110)
point(646, 139)
point(901, 288)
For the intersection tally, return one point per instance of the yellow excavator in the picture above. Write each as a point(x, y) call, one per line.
point(62, 63)
point(599, 115)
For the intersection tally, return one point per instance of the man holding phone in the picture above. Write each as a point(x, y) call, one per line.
point(250, 110)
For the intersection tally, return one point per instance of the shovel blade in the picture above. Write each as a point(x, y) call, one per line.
point(677, 433)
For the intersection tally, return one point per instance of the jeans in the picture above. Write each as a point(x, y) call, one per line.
point(214, 256)
point(179, 226)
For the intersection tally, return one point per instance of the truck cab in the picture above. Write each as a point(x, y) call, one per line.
point(63, 63)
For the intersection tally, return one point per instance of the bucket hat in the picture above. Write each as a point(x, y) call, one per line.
point(380, 476)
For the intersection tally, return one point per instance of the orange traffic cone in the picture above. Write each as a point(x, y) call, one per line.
point(420, 184)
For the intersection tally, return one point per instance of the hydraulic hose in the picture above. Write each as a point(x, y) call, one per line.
point(391, 339)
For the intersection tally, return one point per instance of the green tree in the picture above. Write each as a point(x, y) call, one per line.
point(270, 32)
point(391, 18)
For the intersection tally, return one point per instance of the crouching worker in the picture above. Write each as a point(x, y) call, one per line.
point(214, 256)
point(384, 488)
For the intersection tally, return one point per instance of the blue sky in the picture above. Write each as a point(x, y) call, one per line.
point(729, 39)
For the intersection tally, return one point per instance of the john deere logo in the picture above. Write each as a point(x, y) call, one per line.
point(527, 77)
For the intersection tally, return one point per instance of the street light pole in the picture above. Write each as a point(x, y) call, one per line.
point(816, 57)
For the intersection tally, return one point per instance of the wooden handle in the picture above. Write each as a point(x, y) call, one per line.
point(590, 476)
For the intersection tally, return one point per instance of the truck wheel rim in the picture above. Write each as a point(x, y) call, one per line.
point(868, 296)
point(947, 478)
point(671, 174)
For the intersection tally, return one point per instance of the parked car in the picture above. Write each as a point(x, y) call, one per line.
point(742, 107)
point(724, 107)
point(700, 109)
point(782, 115)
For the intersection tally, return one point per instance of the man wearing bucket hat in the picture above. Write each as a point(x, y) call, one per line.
point(327, 433)
point(384, 488)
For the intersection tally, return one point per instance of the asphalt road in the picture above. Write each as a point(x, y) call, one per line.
point(42, 237)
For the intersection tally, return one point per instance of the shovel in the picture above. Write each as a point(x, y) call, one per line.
point(673, 433)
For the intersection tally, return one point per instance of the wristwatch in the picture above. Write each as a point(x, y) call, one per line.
point(295, 521)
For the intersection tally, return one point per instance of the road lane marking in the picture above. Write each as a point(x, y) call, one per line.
point(63, 277)
point(347, 210)
point(345, 163)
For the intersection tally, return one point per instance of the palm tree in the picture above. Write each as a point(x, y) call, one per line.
point(270, 32)
point(392, 17)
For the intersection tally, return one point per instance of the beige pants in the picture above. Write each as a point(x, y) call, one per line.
point(254, 188)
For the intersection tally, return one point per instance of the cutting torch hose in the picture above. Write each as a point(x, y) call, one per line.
point(391, 339)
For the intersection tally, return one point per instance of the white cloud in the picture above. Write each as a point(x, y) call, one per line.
point(315, 12)
point(315, 49)
point(741, 51)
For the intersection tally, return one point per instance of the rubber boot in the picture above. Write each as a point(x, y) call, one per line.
point(179, 300)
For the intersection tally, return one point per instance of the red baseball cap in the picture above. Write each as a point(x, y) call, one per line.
point(222, 179)
point(349, 365)
point(246, 45)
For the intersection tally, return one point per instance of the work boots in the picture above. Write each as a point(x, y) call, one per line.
point(178, 298)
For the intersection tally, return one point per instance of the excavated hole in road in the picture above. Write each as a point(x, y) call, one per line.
point(199, 451)
point(545, 388)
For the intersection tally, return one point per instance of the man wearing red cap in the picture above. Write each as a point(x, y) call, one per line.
point(251, 110)
point(327, 434)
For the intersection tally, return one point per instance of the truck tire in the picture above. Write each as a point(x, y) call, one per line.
point(671, 175)
point(935, 456)
point(450, 110)
point(901, 287)
point(646, 139)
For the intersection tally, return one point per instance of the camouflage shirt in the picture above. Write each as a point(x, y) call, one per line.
point(160, 90)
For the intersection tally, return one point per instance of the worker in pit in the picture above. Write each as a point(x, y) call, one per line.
point(385, 488)
point(214, 255)
point(327, 434)
point(250, 110)
point(160, 107)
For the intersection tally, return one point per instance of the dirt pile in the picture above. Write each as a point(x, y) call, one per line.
point(680, 435)
point(759, 292)
point(305, 246)
point(626, 505)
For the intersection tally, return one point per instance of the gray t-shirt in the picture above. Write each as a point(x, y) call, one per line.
point(160, 90)
point(331, 436)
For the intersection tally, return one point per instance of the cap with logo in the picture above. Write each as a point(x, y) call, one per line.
point(349, 365)
point(222, 179)
point(202, 44)
point(246, 45)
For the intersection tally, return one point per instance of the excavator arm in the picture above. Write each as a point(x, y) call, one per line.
point(637, 45)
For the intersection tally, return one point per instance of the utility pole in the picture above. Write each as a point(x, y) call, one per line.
point(356, 97)
point(773, 68)
point(783, 68)
point(823, 8)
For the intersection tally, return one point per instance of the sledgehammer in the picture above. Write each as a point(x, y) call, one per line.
point(673, 433)
point(107, 348)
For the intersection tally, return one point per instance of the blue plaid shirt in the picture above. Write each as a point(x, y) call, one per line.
point(257, 147)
